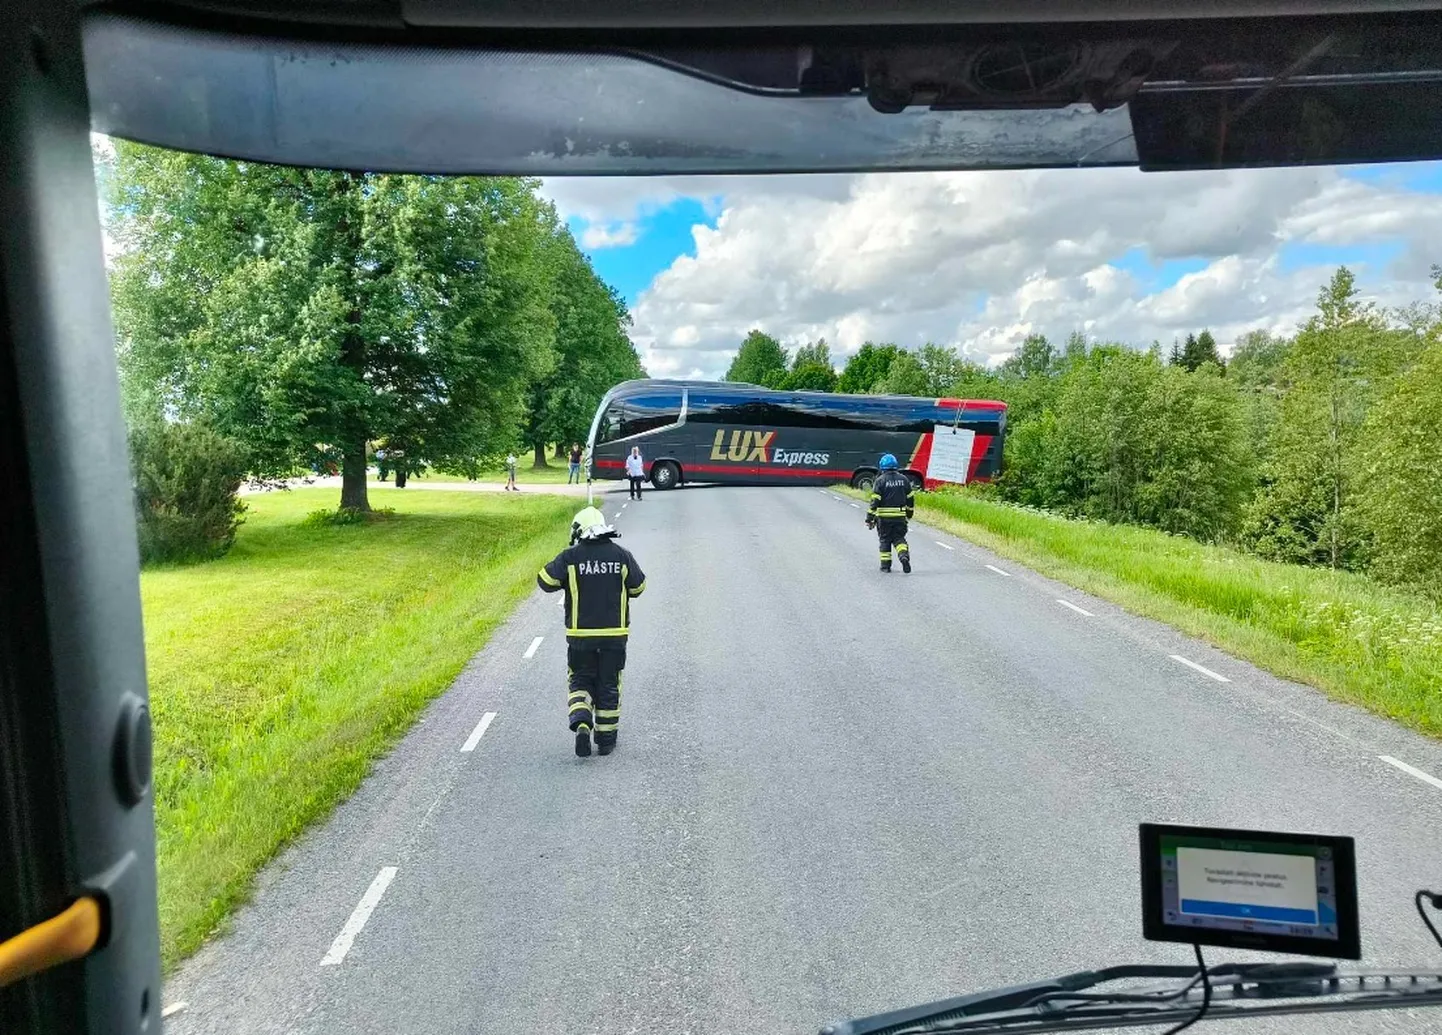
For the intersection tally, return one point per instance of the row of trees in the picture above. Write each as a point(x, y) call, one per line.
point(306, 314)
point(1320, 448)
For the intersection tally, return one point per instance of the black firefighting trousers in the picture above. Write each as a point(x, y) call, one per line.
point(595, 693)
point(892, 533)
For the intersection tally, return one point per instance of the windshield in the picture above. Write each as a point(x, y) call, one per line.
point(960, 511)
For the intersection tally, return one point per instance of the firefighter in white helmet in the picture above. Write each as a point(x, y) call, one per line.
point(599, 578)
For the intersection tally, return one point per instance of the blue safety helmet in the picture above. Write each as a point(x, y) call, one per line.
point(888, 462)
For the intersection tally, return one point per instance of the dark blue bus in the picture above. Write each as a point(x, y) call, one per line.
point(740, 434)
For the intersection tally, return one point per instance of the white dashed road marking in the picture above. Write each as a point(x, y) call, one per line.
point(1412, 771)
point(173, 1009)
point(357, 921)
point(1199, 668)
point(531, 650)
point(994, 568)
point(1078, 610)
point(478, 732)
point(944, 546)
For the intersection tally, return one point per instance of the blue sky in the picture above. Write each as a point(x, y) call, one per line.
point(663, 235)
point(980, 259)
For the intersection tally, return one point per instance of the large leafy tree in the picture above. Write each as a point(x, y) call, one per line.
point(1127, 438)
point(943, 367)
point(905, 376)
point(1036, 357)
point(1257, 368)
point(306, 313)
point(760, 361)
point(868, 366)
point(1257, 361)
point(592, 346)
point(1309, 507)
point(1404, 468)
point(811, 368)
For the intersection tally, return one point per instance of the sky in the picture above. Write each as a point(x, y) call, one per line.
point(979, 260)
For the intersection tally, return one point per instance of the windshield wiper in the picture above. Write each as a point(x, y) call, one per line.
point(1157, 995)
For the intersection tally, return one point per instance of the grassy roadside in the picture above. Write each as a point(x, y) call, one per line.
point(554, 473)
point(1342, 633)
point(279, 673)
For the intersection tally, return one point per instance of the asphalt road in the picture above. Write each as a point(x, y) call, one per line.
point(836, 792)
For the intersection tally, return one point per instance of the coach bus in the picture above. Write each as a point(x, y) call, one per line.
point(739, 434)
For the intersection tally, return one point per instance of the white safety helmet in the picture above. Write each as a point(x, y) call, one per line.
point(590, 524)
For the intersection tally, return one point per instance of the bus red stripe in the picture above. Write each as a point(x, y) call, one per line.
point(979, 446)
point(792, 472)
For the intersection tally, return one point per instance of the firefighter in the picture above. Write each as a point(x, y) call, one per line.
point(599, 578)
point(893, 502)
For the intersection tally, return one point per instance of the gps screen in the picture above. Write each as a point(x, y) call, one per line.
point(1250, 889)
point(1228, 885)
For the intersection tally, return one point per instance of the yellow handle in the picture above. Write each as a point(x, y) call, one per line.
point(60, 939)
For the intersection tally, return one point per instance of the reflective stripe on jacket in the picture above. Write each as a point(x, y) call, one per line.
point(892, 496)
point(599, 578)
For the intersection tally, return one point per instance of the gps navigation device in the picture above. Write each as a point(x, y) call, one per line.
point(1249, 889)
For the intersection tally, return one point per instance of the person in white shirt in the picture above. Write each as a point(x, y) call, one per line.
point(511, 473)
point(635, 471)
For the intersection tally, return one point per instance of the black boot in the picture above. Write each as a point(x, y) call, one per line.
point(906, 562)
point(583, 741)
point(605, 747)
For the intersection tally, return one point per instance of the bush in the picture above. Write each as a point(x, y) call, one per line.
point(186, 478)
point(1125, 439)
point(346, 516)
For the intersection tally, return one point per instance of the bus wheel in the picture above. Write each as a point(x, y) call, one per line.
point(863, 480)
point(665, 475)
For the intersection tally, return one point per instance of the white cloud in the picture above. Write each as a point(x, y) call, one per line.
point(612, 199)
point(614, 235)
point(981, 259)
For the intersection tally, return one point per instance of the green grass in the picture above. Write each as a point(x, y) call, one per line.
point(1342, 633)
point(279, 673)
point(555, 474)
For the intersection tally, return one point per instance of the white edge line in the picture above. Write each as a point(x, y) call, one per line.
point(358, 918)
point(1199, 668)
point(856, 505)
point(478, 732)
point(1078, 610)
point(173, 1009)
point(944, 546)
point(994, 568)
point(531, 650)
point(1412, 771)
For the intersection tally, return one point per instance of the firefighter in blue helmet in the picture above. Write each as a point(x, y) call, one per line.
point(893, 502)
point(599, 578)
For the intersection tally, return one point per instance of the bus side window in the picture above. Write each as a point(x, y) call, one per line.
point(651, 411)
point(773, 415)
point(722, 409)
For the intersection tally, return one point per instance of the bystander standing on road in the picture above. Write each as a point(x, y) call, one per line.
point(635, 471)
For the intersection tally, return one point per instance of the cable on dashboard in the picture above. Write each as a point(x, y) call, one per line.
point(1206, 995)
